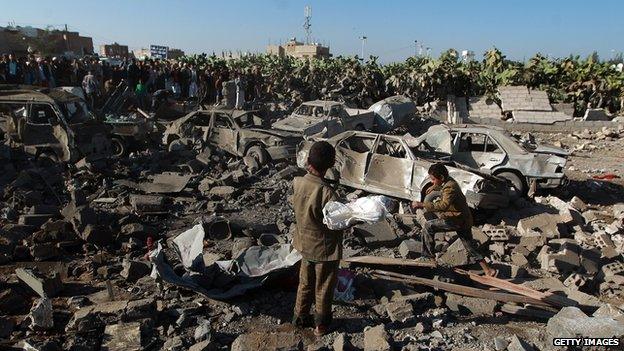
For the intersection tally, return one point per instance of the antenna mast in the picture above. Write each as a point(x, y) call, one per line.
point(307, 26)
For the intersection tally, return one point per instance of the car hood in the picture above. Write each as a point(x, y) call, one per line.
point(297, 123)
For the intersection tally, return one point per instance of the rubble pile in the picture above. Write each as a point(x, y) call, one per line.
point(189, 248)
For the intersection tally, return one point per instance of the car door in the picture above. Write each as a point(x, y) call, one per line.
point(352, 158)
point(334, 123)
point(222, 133)
point(390, 170)
point(37, 128)
point(478, 150)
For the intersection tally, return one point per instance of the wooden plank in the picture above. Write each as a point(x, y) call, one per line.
point(390, 261)
point(458, 289)
point(548, 297)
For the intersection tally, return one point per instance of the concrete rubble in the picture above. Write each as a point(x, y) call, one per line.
point(188, 246)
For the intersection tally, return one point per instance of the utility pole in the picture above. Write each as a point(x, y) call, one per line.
point(415, 47)
point(363, 39)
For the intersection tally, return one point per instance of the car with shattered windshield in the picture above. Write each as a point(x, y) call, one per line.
point(325, 119)
point(494, 151)
point(51, 123)
point(385, 164)
point(237, 132)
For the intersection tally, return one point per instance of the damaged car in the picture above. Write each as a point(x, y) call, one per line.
point(50, 124)
point(325, 119)
point(496, 152)
point(237, 132)
point(385, 164)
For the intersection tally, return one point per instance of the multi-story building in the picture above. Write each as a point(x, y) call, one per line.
point(299, 50)
point(22, 40)
point(114, 50)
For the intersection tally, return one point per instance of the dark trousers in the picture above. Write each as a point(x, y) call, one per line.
point(317, 281)
point(442, 225)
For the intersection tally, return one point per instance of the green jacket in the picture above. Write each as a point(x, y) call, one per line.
point(312, 238)
point(452, 205)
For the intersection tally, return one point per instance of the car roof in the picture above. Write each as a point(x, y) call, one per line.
point(32, 93)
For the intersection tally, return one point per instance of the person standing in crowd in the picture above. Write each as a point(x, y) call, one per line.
point(14, 71)
point(90, 87)
point(240, 91)
point(192, 91)
point(133, 74)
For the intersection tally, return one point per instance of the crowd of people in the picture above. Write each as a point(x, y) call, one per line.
point(98, 78)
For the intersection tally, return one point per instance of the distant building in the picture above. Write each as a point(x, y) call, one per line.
point(175, 54)
point(23, 40)
point(299, 50)
point(142, 54)
point(114, 50)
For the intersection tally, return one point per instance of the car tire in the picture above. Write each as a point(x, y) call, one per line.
point(259, 154)
point(518, 188)
point(118, 146)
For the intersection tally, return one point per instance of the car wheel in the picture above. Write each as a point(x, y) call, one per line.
point(517, 188)
point(119, 147)
point(259, 154)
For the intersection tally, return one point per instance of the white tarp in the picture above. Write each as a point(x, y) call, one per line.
point(370, 209)
point(223, 279)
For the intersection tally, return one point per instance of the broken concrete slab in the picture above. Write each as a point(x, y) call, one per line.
point(547, 224)
point(267, 341)
point(472, 305)
point(134, 270)
point(518, 344)
point(147, 203)
point(122, 337)
point(224, 191)
point(377, 234)
point(456, 255)
point(41, 314)
point(44, 286)
point(96, 235)
point(410, 248)
point(571, 322)
point(376, 339)
point(400, 311)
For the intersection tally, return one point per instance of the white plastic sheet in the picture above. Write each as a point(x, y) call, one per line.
point(370, 209)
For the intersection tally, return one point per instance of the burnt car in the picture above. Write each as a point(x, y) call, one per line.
point(50, 123)
point(325, 119)
point(238, 132)
point(385, 164)
point(494, 151)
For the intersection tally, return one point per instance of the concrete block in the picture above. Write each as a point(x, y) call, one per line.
point(377, 234)
point(267, 341)
point(456, 255)
point(400, 311)
point(472, 305)
point(547, 224)
point(44, 286)
point(410, 248)
point(495, 233)
point(571, 322)
point(376, 339)
point(122, 336)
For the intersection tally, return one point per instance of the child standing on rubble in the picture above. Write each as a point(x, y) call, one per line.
point(320, 247)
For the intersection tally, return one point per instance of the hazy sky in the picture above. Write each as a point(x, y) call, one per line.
point(518, 28)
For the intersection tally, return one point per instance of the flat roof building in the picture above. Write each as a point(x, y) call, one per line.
point(297, 49)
